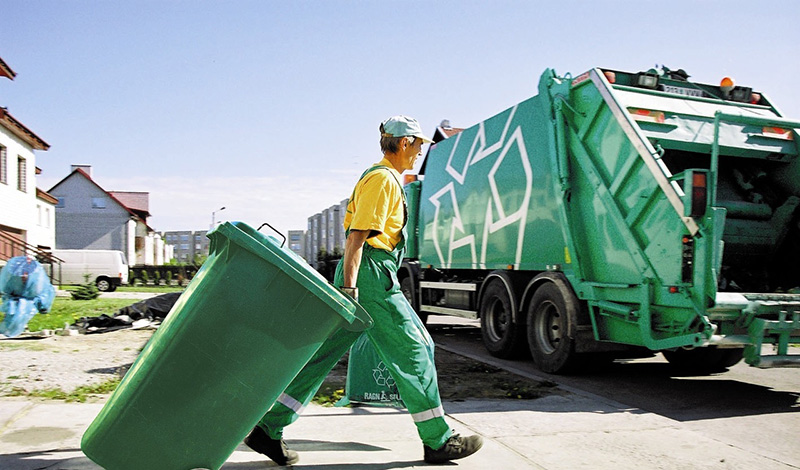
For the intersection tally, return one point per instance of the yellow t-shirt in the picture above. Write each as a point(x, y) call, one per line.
point(377, 204)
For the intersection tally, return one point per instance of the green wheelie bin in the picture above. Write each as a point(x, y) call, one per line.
point(244, 327)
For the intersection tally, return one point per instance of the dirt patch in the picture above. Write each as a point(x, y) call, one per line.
point(68, 362)
point(461, 378)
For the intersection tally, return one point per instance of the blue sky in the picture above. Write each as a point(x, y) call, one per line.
point(271, 108)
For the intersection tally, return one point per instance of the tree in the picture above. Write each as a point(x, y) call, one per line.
point(326, 262)
point(86, 291)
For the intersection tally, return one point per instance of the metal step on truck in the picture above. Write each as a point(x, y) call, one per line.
point(613, 215)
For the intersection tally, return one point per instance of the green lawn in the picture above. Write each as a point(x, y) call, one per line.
point(66, 310)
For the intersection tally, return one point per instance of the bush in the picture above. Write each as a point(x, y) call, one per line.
point(85, 291)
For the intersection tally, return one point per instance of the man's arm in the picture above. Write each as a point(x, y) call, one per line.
point(353, 248)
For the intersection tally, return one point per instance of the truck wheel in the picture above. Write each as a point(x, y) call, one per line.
point(103, 284)
point(408, 291)
point(502, 337)
point(548, 316)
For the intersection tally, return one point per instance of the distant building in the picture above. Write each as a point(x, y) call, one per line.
point(340, 234)
point(309, 242)
point(335, 227)
point(89, 217)
point(187, 244)
point(27, 218)
point(297, 243)
point(316, 238)
point(325, 231)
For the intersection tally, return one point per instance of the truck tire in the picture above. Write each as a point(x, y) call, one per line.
point(549, 313)
point(104, 284)
point(502, 336)
point(407, 287)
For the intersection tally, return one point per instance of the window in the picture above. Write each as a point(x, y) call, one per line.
point(22, 175)
point(184, 238)
point(3, 165)
point(47, 217)
point(60, 203)
point(39, 215)
point(98, 203)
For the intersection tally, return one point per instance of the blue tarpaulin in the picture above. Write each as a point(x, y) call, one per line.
point(25, 290)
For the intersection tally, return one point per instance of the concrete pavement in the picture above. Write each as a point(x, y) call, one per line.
point(559, 432)
point(572, 430)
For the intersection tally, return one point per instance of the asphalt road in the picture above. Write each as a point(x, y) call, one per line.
point(748, 408)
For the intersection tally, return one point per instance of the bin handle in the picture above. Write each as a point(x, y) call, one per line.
point(274, 230)
point(362, 322)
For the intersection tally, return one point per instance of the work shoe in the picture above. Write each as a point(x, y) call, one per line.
point(456, 447)
point(275, 449)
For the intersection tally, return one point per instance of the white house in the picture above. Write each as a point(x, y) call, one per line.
point(27, 214)
point(89, 217)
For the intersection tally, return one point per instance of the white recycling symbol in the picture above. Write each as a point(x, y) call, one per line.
point(382, 376)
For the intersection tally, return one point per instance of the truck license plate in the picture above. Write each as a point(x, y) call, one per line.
point(677, 90)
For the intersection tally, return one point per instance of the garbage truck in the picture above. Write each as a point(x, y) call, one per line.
point(616, 214)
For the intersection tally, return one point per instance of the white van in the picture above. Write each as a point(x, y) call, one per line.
point(107, 268)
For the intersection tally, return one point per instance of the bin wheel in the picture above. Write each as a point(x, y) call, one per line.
point(552, 349)
point(502, 336)
point(104, 284)
point(406, 286)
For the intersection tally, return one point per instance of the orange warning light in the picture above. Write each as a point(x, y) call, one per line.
point(726, 84)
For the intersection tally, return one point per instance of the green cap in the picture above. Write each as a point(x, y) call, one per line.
point(402, 126)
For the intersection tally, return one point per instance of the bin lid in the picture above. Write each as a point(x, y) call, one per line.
point(288, 262)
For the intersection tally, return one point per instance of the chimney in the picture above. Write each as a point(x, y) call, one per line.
point(86, 168)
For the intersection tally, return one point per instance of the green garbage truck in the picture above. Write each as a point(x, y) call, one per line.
point(616, 214)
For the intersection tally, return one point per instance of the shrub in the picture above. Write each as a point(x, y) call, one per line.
point(85, 291)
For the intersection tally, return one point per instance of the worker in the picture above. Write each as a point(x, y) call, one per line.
point(374, 223)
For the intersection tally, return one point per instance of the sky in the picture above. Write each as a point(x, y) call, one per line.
point(271, 108)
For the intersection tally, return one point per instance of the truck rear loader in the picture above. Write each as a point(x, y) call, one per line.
point(613, 215)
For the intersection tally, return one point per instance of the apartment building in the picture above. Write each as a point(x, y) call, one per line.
point(187, 245)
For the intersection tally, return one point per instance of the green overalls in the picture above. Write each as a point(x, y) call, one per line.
point(399, 337)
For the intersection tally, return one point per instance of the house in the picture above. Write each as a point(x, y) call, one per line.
point(89, 217)
point(27, 215)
